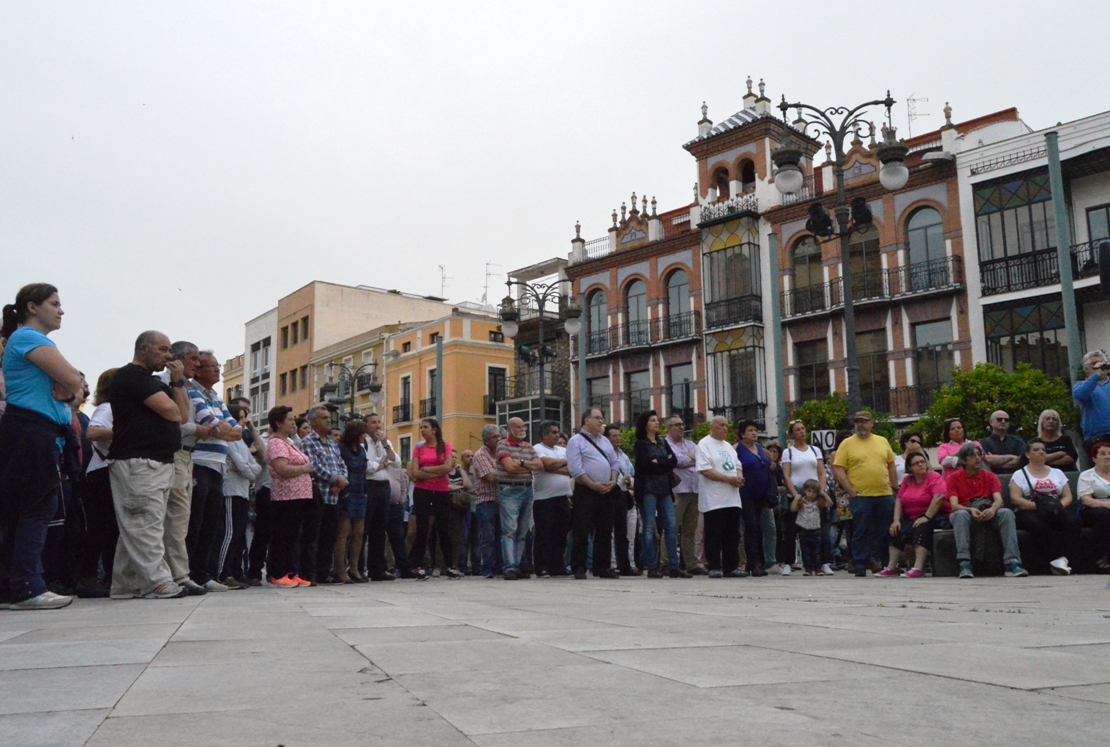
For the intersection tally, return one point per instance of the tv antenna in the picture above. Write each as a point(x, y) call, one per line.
point(443, 281)
point(485, 289)
point(912, 114)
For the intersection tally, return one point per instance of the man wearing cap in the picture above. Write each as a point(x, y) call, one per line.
point(864, 468)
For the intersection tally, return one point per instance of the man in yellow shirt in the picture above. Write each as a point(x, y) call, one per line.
point(864, 468)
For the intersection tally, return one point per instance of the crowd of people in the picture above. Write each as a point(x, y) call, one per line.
point(167, 491)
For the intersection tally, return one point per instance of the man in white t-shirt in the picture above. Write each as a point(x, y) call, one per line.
point(719, 482)
point(551, 491)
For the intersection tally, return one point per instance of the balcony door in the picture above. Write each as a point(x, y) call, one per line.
point(637, 314)
point(679, 316)
point(925, 236)
point(867, 267)
point(598, 321)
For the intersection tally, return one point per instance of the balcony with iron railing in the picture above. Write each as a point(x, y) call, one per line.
point(596, 248)
point(807, 192)
point(645, 332)
point(738, 207)
point(1036, 269)
point(731, 311)
point(754, 411)
point(428, 407)
point(897, 402)
point(402, 413)
point(938, 275)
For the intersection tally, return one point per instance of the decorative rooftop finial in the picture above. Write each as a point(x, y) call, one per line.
point(695, 191)
point(624, 211)
point(634, 201)
point(704, 111)
point(947, 114)
point(643, 201)
point(577, 230)
point(872, 143)
point(614, 217)
point(749, 84)
point(653, 205)
point(762, 85)
point(828, 151)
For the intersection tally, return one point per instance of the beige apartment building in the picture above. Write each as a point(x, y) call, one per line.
point(320, 315)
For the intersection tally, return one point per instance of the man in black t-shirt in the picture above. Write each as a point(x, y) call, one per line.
point(146, 433)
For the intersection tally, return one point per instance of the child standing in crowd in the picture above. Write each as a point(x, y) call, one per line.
point(808, 507)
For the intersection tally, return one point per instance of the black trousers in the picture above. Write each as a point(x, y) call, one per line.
point(318, 538)
point(234, 564)
point(377, 524)
point(289, 519)
point(263, 532)
point(593, 512)
point(552, 517)
point(620, 530)
point(786, 547)
point(1098, 519)
point(752, 511)
point(64, 537)
point(1041, 530)
point(101, 530)
point(207, 525)
point(722, 539)
point(425, 504)
point(397, 530)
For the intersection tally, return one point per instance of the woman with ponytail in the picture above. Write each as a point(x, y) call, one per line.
point(35, 425)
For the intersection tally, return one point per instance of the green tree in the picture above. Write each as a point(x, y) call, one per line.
point(973, 395)
point(831, 413)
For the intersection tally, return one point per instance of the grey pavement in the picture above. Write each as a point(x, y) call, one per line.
point(790, 661)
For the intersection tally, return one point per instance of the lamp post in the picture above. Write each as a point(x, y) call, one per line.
point(348, 376)
point(849, 219)
point(541, 294)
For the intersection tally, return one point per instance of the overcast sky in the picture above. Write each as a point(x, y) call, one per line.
point(180, 166)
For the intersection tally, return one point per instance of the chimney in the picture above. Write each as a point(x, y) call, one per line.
point(762, 104)
point(577, 245)
point(705, 124)
point(749, 97)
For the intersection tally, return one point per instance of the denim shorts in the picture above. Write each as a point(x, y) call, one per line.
point(353, 507)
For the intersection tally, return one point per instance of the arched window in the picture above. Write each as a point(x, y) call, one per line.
point(925, 236)
point(867, 267)
point(679, 319)
point(720, 181)
point(809, 279)
point(637, 313)
point(598, 323)
point(747, 176)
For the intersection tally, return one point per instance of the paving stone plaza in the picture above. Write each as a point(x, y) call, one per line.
point(790, 661)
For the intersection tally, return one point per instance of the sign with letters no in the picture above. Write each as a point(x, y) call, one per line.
point(825, 440)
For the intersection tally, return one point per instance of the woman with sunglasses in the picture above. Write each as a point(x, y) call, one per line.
point(911, 442)
point(802, 461)
point(950, 445)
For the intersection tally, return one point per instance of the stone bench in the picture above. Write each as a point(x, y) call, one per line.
point(944, 547)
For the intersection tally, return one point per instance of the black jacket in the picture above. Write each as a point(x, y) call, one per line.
point(29, 459)
point(653, 476)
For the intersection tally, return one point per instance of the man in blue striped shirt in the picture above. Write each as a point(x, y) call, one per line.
point(209, 524)
point(329, 477)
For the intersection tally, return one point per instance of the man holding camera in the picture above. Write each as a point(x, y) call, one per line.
point(1093, 396)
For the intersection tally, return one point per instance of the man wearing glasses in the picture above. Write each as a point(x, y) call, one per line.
point(1002, 451)
point(685, 494)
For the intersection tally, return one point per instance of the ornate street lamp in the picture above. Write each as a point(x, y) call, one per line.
point(541, 294)
point(893, 175)
point(348, 378)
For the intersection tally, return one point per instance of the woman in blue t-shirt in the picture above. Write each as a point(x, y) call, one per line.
point(35, 425)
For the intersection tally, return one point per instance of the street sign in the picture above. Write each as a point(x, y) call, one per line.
point(825, 440)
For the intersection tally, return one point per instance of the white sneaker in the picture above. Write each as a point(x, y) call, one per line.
point(785, 570)
point(1060, 566)
point(47, 600)
point(826, 570)
point(214, 585)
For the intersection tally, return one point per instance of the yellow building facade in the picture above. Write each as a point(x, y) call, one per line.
point(476, 363)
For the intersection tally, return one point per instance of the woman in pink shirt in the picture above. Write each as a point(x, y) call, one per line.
point(290, 495)
point(954, 438)
point(431, 462)
point(921, 504)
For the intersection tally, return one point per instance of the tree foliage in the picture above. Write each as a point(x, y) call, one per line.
point(974, 395)
point(831, 413)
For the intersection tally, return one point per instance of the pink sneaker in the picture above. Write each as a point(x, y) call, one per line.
point(913, 573)
point(886, 573)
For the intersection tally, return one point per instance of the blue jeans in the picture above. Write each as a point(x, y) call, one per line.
point(871, 520)
point(487, 514)
point(664, 507)
point(770, 535)
point(516, 522)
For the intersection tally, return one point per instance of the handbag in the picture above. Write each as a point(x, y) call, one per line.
point(1049, 505)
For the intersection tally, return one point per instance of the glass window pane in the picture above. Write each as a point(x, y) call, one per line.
point(1098, 223)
